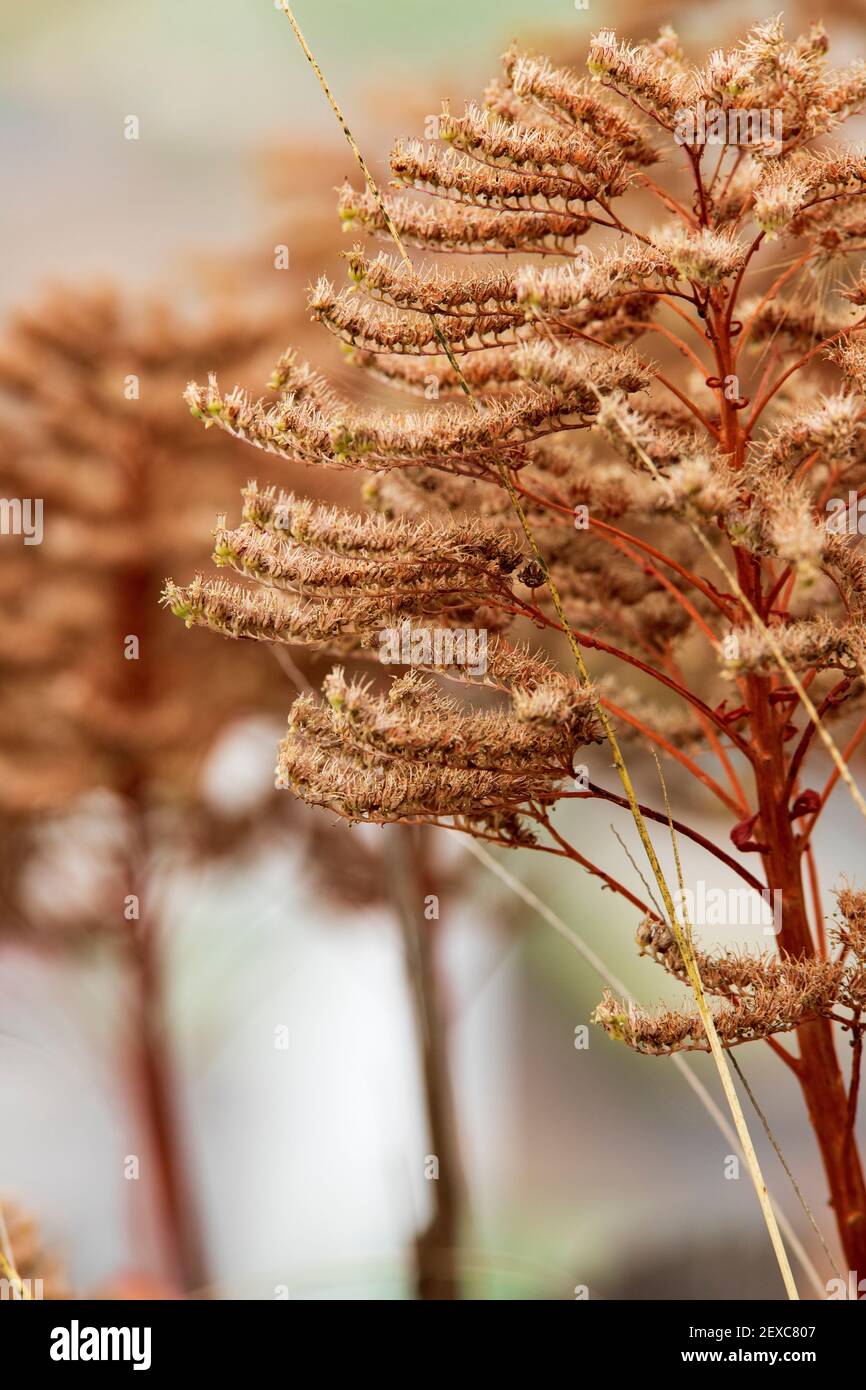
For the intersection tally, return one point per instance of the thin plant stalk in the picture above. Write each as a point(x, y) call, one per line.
point(683, 936)
point(436, 1246)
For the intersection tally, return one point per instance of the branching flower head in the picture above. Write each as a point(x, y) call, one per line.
point(643, 448)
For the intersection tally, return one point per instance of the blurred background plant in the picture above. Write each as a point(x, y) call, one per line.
point(107, 794)
point(103, 778)
point(307, 1163)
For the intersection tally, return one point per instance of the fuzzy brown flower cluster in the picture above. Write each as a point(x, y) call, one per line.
point(659, 357)
point(761, 995)
point(415, 755)
point(96, 687)
point(541, 348)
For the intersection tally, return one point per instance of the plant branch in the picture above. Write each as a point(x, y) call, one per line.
point(682, 829)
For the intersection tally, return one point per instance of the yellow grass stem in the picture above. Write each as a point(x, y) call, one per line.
point(7, 1262)
point(596, 963)
point(683, 937)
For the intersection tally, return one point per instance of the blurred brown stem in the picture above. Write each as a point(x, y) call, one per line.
point(436, 1258)
point(153, 1070)
point(155, 1091)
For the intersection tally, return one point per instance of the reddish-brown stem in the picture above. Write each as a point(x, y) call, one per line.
point(173, 1196)
point(854, 1087)
point(695, 160)
point(731, 173)
point(809, 733)
point(771, 294)
point(763, 402)
point(682, 758)
point(718, 169)
point(719, 751)
point(619, 225)
point(668, 200)
point(611, 882)
point(733, 296)
point(681, 396)
point(719, 601)
point(158, 1106)
point(817, 906)
point(818, 1070)
point(831, 198)
point(819, 1074)
point(617, 539)
point(437, 1274)
point(689, 404)
point(829, 785)
point(600, 793)
point(777, 588)
point(566, 852)
point(597, 644)
point(767, 372)
point(686, 318)
point(649, 327)
point(649, 568)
